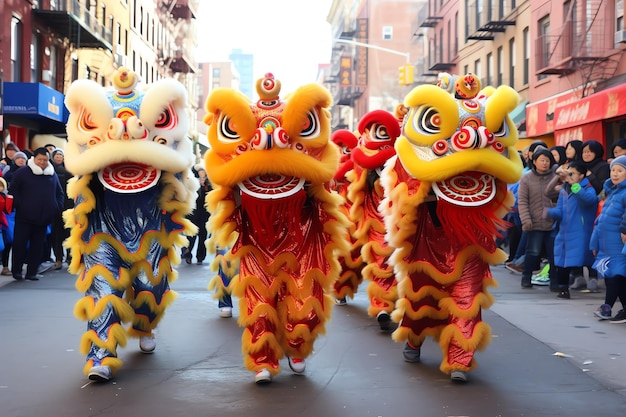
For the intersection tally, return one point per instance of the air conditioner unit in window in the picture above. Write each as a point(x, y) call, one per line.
point(620, 36)
point(120, 60)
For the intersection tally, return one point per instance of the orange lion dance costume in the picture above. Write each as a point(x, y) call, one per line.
point(445, 197)
point(271, 164)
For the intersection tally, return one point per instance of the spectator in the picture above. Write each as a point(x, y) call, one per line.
point(618, 149)
point(574, 150)
point(59, 231)
point(19, 160)
point(597, 168)
point(607, 242)
point(575, 213)
point(9, 153)
point(6, 206)
point(532, 199)
point(199, 217)
point(38, 197)
point(558, 153)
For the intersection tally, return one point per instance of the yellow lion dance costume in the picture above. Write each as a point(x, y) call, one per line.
point(271, 164)
point(445, 197)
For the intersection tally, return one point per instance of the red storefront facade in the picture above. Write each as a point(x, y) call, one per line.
point(599, 116)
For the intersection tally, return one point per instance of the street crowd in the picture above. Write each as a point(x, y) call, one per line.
point(568, 225)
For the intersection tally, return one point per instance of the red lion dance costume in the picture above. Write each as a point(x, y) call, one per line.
point(445, 196)
point(378, 131)
point(352, 262)
point(271, 163)
point(133, 186)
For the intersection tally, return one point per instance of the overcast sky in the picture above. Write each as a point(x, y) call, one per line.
point(287, 37)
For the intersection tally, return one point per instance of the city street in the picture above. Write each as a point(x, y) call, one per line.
point(548, 357)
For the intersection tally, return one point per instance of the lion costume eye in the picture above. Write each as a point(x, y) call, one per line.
point(379, 133)
point(227, 131)
point(428, 120)
point(167, 119)
point(311, 129)
point(86, 123)
point(502, 131)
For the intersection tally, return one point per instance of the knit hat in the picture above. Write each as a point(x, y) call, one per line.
point(56, 151)
point(20, 155)
point(620, 160)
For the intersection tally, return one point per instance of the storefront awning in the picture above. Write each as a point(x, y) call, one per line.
point(36, 106)
point(518, 115)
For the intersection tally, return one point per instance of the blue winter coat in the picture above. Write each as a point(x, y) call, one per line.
point(606, 239)
point(575, 214)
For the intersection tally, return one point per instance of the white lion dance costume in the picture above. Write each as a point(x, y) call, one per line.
point(445, 196)
point(132, 189)
point(271, 164)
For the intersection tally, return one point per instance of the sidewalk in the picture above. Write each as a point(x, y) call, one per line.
point(569, 327)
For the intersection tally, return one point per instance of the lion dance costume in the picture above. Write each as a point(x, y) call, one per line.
point(271, 163)
point(352, 262)
point(132, 190)
point(445, 196)
point(377, 131)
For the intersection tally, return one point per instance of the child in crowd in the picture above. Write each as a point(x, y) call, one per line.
point(607, 242)
point(575, 213)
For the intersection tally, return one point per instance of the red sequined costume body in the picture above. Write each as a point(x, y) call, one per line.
point(271, 163)
point(445, 196)
point(378, 131)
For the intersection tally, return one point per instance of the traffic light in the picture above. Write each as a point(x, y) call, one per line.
point(405, 73)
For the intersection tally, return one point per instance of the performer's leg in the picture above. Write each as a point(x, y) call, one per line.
point(151, 296)
point(257, 306)
point(465, 332)
point(104, 280)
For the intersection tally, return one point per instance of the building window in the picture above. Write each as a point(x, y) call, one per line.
point(526, 55)
point(387, 33)
point(500, 64)
point(34, 58)
point(619, 15)
point(477, 69)
point(512, 62)
point(53, 66)
point(16, 52)
point(455, 34)
point(216, 73)
point(489, 79)
point(544, 44)
point(449, 49)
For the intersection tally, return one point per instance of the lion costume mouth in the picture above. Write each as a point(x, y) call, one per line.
point(271, 186)
point(129, 177)
point(471, 188)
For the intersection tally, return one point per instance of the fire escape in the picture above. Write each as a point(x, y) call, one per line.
point(180, 17)
point(343, 81)
point(428, 18)
point(483, 25)
point(584, 46)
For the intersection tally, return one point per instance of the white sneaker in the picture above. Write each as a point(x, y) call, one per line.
point(458, 376)
point(297, 365)
point(147, 344)
point(226, 312)
point(100, 373)
point(263, 377)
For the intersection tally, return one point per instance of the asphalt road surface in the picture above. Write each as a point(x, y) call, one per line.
point(356, 370)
